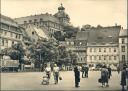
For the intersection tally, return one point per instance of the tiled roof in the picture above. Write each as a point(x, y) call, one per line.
point(44, 17)
point(8, 20)
point(82, 35)
point(100, 35)
point(104, 35)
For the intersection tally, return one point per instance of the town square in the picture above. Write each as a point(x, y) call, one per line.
point(64, 45)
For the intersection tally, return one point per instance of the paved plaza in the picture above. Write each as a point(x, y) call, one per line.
point(32, 81)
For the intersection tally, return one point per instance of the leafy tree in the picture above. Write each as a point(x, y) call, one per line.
point(43, 52)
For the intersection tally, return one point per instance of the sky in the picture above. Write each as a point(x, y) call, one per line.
point(81, 12)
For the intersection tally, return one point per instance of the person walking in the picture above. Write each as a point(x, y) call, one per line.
point(56, 73)
point(83, 71)
point(118, 69)
point(127, 77)
point(109, 71)
point(48, 71)
point(77, 76)
point(123, 78)
point(86, 70)
point(104, 76)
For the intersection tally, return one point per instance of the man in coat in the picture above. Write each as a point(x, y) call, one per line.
point(123, 78)
point(77, 76)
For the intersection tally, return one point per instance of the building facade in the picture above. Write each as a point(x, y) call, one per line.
point(102, 46)
point(103, 54)
point(52, 23)
point(78, 45)
point(123, 46)
point(10, 32)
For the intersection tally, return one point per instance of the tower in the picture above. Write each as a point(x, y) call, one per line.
point(62, 16)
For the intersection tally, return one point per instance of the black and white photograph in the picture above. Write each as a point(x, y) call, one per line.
point(63, 45)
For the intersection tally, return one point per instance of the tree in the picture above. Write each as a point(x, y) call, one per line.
point(44, 51)
point(17, 52)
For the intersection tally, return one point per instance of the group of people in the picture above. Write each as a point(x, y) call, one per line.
point(55, 72)
point(85, 69)
point(106, 74)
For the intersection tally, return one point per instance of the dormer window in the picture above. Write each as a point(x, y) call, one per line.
point(32, 33)
point(30, 21)
point(41, 19)
point(35, 20)
point(25, 22)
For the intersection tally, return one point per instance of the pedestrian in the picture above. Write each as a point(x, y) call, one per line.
point(83, 71)
point(48, 71)
point(104, 76)
point(77, 76)
point(127, 77)
point(109, 71)
point(118, 69)
point(86, 70)
point(123, 78)
point(56, 73)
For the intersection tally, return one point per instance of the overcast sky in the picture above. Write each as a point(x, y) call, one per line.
point(81, 12)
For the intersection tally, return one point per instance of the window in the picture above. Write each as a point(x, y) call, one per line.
point(114, 57)
point(30, 21)
point(123, 57)
point(41, 19)
point(94, 49)
point(35, 20)
point(94, 57)
point(104, 57)
point(109, 49)
point(114, 49)
point(32, 33)
point(90, 49)
point(25, 22)
point(90, 57)
point(12, 42)
point(81, 59)
point(123, 41)
point(5, 33)
point(110, 58)
point(99, 57)
point(16, 36)
point(104, 49)
point(99, 49)
point(123, 48)
point(11, 34)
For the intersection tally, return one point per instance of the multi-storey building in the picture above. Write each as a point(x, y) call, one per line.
point(10, 32)
point(51, 22)
point(78, 45)
point(123, 46)
point(102, 46)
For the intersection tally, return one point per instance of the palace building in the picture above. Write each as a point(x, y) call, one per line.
point(52, 23)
